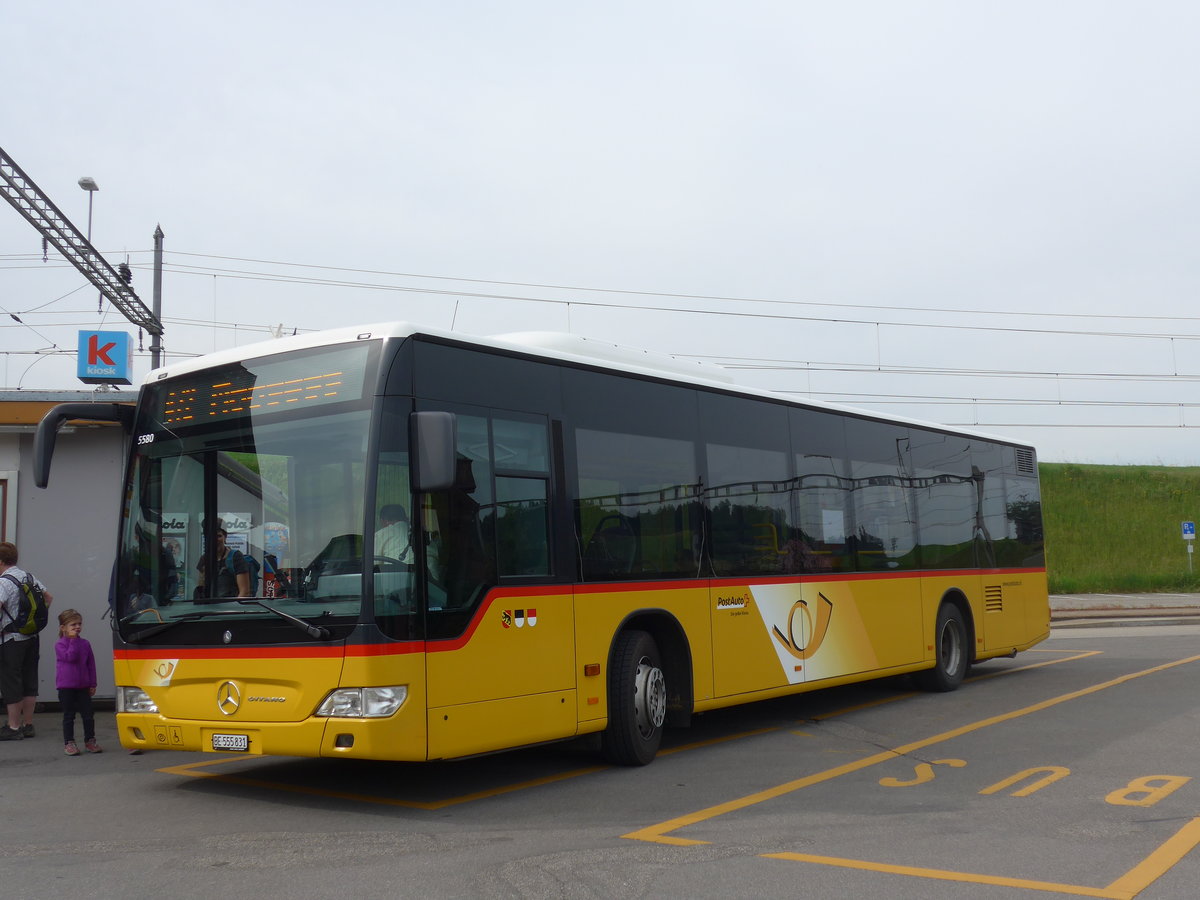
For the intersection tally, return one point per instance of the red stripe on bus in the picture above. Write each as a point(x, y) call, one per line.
point(449, 644)
point(273, 652)
point(503, 593)
point(248, 652)
point(872, 576)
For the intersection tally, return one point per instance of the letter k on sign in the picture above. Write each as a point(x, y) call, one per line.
point(98, 355)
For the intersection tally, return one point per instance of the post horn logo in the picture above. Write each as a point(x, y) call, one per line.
point(229, 698)
point(817, 629)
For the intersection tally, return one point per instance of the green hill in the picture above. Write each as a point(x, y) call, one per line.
point(1117, 528)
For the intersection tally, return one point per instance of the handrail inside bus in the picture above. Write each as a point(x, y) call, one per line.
point(47, 430)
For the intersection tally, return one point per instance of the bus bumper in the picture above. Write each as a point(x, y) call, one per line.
point(390, 738)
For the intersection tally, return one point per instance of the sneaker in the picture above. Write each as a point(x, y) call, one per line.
point(92, 746)
point(71, 749)
point(10, 734)
point(27, 730)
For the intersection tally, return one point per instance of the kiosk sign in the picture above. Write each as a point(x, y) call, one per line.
point(105, 357)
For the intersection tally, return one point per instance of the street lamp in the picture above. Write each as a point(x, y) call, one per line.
point(89, 184)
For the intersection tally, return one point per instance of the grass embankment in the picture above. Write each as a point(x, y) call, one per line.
point(1112, 529)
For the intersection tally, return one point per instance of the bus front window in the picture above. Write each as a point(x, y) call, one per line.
point(254, 506)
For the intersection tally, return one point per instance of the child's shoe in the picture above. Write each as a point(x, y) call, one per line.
point(92, 746)
point(71, 749)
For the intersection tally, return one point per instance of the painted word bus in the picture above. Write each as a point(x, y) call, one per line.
point(394, 543)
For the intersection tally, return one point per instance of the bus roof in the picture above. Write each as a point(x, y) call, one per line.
point(559, 346)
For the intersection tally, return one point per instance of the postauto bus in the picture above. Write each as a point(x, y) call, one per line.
point(595, 541)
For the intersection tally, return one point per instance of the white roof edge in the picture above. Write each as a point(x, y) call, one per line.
point(291, 342)
point(563, 343)
point(551, 345)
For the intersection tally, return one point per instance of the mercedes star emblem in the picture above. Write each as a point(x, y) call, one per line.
point(229, 698)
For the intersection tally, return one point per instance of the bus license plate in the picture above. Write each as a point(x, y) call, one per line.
point(231, 742)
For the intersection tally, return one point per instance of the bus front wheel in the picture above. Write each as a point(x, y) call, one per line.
point(950, 652)
point(637, 701)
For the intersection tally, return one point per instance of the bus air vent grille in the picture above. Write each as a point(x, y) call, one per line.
point(1025, 462)
point(993, 598)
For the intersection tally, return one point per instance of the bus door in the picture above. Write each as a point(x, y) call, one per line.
point(500, 657)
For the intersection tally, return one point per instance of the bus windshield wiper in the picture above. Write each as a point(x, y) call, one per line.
point(319, 632)
point(146, 633)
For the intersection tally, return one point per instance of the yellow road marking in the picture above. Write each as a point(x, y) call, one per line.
point(661, 832)
point(718, 740)
point(946, 875)
point(1079, 654)
point(186, 768)
point(190, 771)
point(1157, 863)
point(1126, 887)
point(858, 707)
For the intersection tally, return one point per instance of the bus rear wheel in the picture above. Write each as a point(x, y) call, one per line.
point(950, 652)
point(637, 701)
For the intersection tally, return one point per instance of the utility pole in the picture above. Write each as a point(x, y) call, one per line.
point(156, 301)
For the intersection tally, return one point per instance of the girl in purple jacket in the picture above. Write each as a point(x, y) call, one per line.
point(75, 678)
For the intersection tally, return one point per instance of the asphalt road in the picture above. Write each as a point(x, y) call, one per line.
point(1071, 770)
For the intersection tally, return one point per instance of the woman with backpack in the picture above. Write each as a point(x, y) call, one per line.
point(20, 621)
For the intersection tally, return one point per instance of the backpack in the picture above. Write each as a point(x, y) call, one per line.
point(251, 564)
point(31, 607)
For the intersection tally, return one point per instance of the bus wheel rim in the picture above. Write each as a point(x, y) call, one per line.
point(951, 647)
point(650, 698)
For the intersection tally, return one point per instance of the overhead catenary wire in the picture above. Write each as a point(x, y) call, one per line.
point(733, 314)
point(245, 275)
point(765, 309)
point(1091, 316)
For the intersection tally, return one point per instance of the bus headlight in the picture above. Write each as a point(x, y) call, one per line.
point(134, 700)
point(363, 703)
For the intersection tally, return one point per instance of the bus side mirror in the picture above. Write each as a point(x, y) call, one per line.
point(434, 442)
point(47, 430)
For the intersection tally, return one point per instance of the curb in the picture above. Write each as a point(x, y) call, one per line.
point(1118, 612)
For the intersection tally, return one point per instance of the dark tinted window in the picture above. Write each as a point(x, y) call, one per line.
point(494, 523)
point(820, 496)
point(636, 484)
point(521, 459)
point(1021, 544)
point(747, 489)
point(884, 519)
point(947, 497)
point(484, 379)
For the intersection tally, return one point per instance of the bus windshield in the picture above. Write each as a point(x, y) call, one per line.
point(244, 505)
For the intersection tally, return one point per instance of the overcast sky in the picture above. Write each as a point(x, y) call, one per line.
point(970, 213)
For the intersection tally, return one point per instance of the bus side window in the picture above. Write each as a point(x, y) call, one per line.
point(522, 527)
point(612, 548)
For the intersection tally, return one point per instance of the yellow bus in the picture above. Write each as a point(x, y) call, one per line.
point(399, 544)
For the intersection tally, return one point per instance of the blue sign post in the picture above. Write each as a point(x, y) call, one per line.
point(1189, 535)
